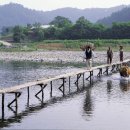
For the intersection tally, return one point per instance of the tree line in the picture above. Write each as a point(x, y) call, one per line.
point(62, 28)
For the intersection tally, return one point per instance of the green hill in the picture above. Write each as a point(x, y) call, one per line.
point(120, 16)
point(15, 14)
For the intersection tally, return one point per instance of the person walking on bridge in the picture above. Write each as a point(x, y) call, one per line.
point(109, 55)
point(121, 53)
point(88, 54)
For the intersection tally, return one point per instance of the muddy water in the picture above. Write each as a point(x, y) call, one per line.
point(104, 105)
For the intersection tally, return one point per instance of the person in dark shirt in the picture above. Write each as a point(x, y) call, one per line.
point(88, 54)
point(109, 55)
point(121, 53)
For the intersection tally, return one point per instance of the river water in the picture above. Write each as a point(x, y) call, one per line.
point(103, 105)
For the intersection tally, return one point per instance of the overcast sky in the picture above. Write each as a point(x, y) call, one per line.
point(46, 5)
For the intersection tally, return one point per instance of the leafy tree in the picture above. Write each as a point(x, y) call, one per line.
point(64, 29)
point(97, 31)
point(18, 34)
point(66, 33)
point(7, 30)
point(49, 33)
point(121, 30)
point(61, 22)
point(38, 32)
point(81, 30)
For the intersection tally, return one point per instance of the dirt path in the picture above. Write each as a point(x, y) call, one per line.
point(5, 43)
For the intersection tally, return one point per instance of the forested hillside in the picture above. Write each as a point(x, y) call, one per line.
point(62, 28)
point(15, 14)
point(120, 16)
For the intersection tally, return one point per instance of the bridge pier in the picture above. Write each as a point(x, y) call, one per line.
point(118, 67)
point(41, 91)
point(106, 71)
point(62, 86)
point(100, 72)
point(3, 98)
point(83, 80)
point(51, 89)
point(17, 95)
point(69, 84)
point(28, 96)
point(90, 77)
point(77, 81)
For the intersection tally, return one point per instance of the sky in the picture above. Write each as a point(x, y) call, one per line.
point(47, 5)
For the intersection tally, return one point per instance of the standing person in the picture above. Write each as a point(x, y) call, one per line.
point(121, 53)
point(88, 53)
point(109, 55)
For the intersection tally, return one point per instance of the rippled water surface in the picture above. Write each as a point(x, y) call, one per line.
point(104, 105)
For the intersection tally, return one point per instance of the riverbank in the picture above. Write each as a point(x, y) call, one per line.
point(57, 56)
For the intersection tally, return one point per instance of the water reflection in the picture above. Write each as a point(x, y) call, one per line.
point(17, 117)
point(101, 91)
point(88, 105)
point(124, 85)
point(109, 86)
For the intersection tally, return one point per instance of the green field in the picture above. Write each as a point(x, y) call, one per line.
point(73, 45)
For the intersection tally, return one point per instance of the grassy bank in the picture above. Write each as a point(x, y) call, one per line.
point(100, 45)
